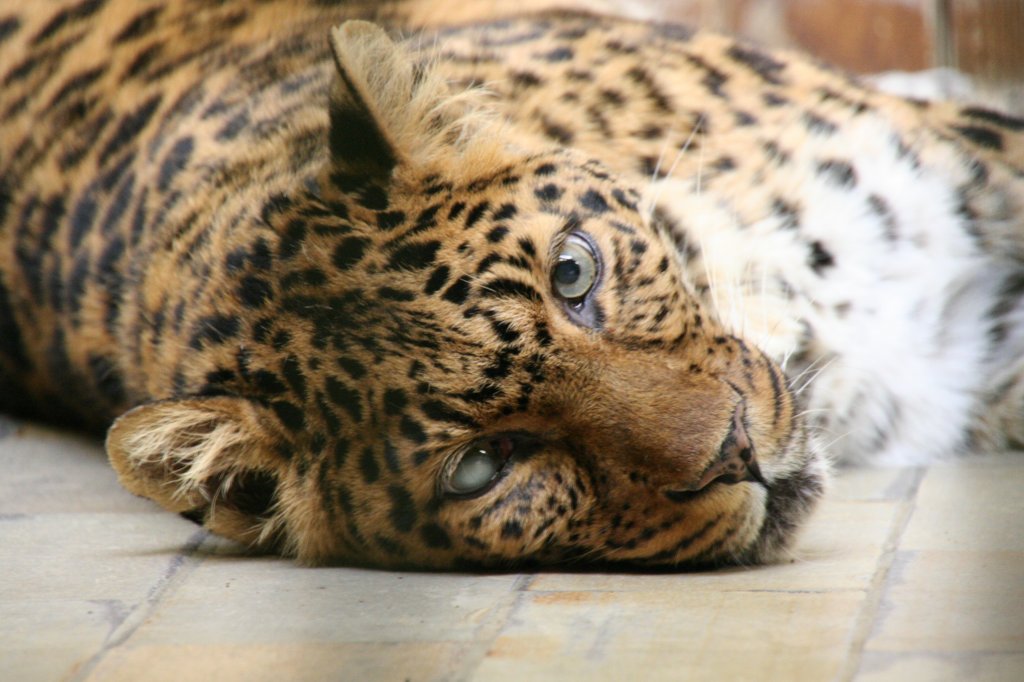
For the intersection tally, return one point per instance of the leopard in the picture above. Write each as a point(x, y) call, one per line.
point(351, 286)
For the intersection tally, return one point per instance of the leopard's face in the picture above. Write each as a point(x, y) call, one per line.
point(482, 363)
point(546, 387)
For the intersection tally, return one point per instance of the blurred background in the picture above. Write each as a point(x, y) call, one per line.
point(982, 40)
point(971, 50)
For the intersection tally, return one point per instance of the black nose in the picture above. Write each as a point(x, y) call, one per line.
point(736, 461)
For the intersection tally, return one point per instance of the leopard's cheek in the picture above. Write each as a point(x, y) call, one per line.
point(553, 509)
point(537, 505)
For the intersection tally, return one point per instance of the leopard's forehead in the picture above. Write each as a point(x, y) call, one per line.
point(448, 277)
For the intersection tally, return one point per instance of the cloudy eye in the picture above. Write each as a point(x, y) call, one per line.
point(479, 467)
point(575, 270)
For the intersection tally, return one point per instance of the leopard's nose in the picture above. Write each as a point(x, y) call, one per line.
point(735, 461)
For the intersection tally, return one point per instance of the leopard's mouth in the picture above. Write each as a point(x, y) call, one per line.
point(735, 462)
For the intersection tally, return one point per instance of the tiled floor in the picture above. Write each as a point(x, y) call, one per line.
point(913, 574)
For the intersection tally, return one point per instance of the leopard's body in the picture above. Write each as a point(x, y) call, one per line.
point(329, 295)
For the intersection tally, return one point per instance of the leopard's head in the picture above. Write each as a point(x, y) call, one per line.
point(475, 354)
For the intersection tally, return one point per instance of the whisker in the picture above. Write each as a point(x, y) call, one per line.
point(657, 166)
point(712, 288)
point(686, 144)
point(828, 445)
point(811, 368)
point(813, 410)
point(700, 169)
point(679, 155)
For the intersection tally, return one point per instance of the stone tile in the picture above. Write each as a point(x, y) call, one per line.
point(70, 581)
point(46, 471)
point(973, 504)
point(839, 550)
point(942, 667)
point(866, 484)
point(88, 556)
point(691, 634)
point(413, 661)
point(956, 585)
point(243, 601)
point(952, 602)
point(47, 639)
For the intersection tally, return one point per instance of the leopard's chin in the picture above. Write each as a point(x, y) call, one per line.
point(791, 498)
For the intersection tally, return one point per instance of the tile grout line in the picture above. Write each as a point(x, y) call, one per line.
point(180, 566)
point(475, 651)
point(868, 614)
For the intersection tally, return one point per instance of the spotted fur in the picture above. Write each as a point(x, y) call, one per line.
point(305, 274)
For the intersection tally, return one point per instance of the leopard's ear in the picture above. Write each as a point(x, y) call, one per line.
point(213, 459)
point(387, 111)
